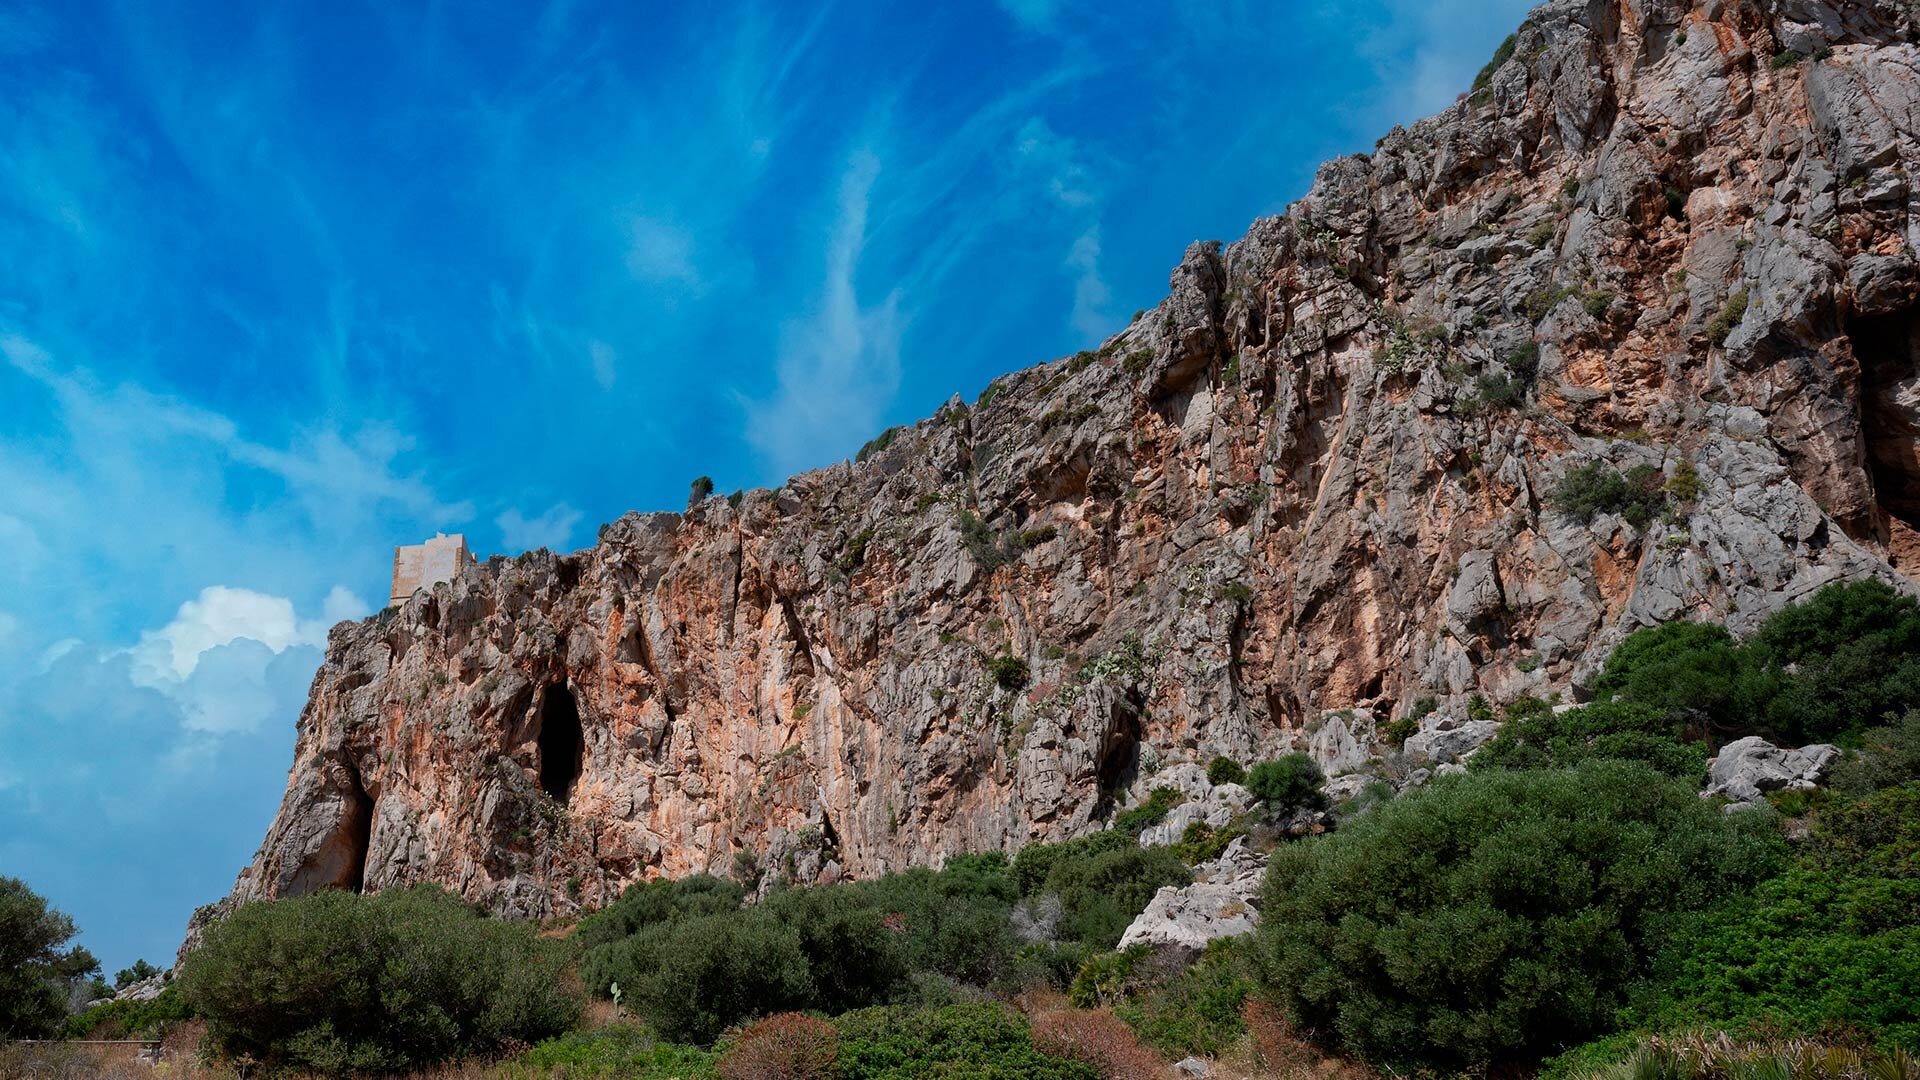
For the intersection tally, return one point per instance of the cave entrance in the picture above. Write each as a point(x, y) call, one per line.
point(1119, 763)
point(562, 749)
point(1890, 426)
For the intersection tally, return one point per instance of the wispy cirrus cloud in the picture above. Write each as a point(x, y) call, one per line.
point(839, 367)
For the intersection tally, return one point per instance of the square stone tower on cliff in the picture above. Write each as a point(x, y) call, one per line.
point(421, 566)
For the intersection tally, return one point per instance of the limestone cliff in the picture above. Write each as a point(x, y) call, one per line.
point(1307, 489)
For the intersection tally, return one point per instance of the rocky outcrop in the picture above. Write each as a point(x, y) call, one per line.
point(1746, 769)
point(1310, 488)
point(1222, 902)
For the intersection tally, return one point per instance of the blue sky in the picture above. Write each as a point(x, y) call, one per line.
point(284, 285)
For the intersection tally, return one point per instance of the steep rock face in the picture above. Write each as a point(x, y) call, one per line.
point(1307, 490)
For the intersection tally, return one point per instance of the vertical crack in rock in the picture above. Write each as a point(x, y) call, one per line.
point(339, 859)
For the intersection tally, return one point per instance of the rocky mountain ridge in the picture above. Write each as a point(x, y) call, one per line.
point(1308, 498)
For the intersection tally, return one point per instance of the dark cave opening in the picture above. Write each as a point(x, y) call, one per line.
point(1890, 411)
point(359, 834)
point(1119, 755)
point(562, 750)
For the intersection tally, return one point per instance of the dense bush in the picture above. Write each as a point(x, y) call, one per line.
point(338, 982)
point(1288, 783)
point(36, 964)
point(1535, 737)
point(1153, 811)
point(1824, 669)
point(649, 902)
point(954, 922)
point(619, 1051)
point(1198, 1010)
point(692, 978)
point(1597, 487)
point(1888, 756)
point(127, 976)
point(958, 1042)
point(1225, 770)
point(1498, 915)
point(1103, 882)
point(1831, 945)
point(150, 1019)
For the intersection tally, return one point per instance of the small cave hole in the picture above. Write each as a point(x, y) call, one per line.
point(562, 749)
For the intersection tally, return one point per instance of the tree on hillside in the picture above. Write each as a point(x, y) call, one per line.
point(37, 969)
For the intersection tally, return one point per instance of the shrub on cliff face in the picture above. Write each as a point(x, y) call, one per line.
point(1288, 783)
point(1597, 487)
point(1225, 770)
point(340, 983)
point(1496, 916)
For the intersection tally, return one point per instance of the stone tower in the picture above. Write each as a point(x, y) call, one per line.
point(421, 566)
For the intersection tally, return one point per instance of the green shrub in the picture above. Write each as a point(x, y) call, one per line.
point(1009, 671)
point(1728, 317)
point(958, 1042)
point(955, 921)
point(337, 982)
point(1152, 812)
point(1501, 55)
point(1198, 1010)
point(1622, 730)
point(140, 971)
point(879, 442)
point(693, 978)
point(1597, 487)
point(702, 487)
point(1225, 770)
point(1495, 916)
point(1888, 756)
point(1500, 391)
point(1830, 945)
point(36, 964)
point(1288, 783)
point(1103, 881)
point(618, 1051)
point(1541, 301)
point(980, 542)
point(853, 959)
point(150, 1019)
point(649, 902)
point(1106, 977)
point(1824, 669)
